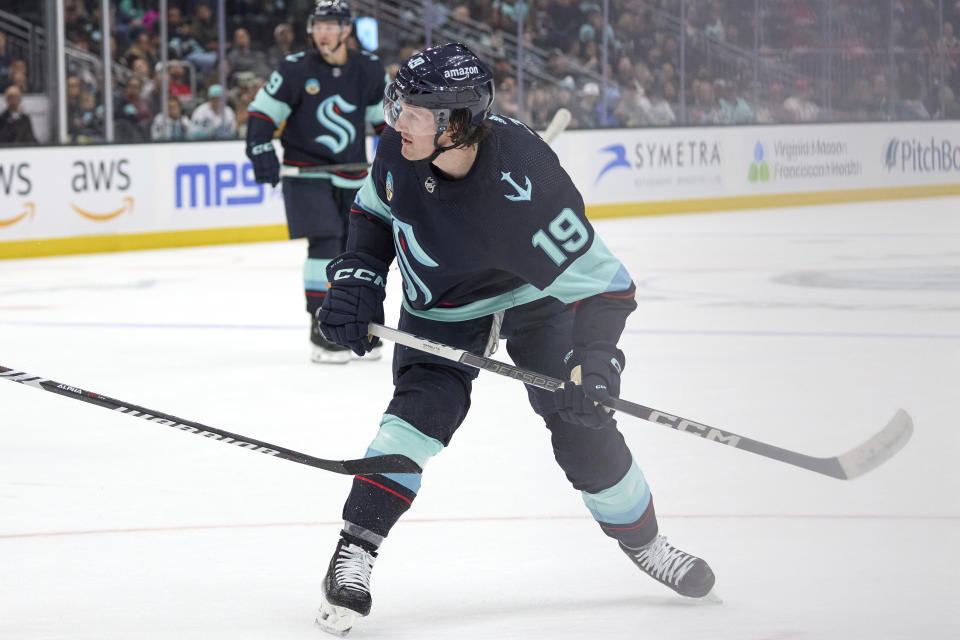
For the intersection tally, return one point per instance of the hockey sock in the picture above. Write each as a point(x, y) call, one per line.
point(376, 502)
point(625, 510)
point(315, 283)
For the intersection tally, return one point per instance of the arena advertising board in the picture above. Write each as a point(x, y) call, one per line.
point(57, 192)
point(138, 196)
point(644, 166)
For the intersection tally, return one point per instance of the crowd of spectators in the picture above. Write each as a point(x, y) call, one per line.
point(740, 67)
point(887, 60)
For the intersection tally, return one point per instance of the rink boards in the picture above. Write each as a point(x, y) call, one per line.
point(79, 199)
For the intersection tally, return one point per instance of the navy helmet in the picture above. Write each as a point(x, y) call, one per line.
point(442, 79)
point(329, 11)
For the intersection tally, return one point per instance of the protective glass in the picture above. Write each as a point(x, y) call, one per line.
point(413, 120)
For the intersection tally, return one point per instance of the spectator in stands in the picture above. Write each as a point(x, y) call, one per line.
point(715, 28)
point(133, 105)
point(142, 69)
point(178, 83)
point(244, 58)
point(702, 109)
point(174, 126)
point(733, 107)
point(88, 125)
point(458, 24)
point(204, 27)
point(15, 126)
point(505, 98)
point(184, 46)
point(18, 76)
point(74, 92)
point(799, 106)
point(141, 48)
point(5, 59)
point(659, 113)
point(282, 45)
point(213, 120)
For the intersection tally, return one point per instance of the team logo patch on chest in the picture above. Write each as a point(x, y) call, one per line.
point(430, 184)
point(312, 86)
point(388, 187)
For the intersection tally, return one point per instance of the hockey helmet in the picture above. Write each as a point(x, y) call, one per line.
point(329, 11)
point(436, 82)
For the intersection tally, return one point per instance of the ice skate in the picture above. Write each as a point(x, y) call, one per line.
point(346, 588)
point(322, 351)
point(686, 574)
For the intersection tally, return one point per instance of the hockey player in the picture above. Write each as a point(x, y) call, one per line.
point(326, 95)
point(492, 242)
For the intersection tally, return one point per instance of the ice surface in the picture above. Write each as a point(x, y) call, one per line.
point(804, 327)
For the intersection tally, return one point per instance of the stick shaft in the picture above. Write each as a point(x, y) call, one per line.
point(349, 167)
point(869, 455)
point(363, 466)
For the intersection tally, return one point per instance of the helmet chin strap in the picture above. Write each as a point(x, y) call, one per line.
point(437, 149)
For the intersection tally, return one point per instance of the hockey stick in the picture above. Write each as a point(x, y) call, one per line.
point(856, 462)
point(392, 463)
point(557, 125)
point(350, 167)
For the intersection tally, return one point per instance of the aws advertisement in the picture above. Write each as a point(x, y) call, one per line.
point(58, 192)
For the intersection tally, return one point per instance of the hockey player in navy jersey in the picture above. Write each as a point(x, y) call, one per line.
point(492, 242)
point(325, 95)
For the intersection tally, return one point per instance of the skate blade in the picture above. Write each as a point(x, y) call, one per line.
point(319, 355)
point(712, 597)
point(335, 620)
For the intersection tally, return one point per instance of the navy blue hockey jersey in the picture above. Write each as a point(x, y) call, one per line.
point(510, 232)
point(325, 107)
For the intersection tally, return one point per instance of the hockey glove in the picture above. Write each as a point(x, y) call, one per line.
point(594, 377)
point(356, 288)
point(266, 167)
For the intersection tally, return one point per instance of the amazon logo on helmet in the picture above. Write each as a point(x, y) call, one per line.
point(445, 78)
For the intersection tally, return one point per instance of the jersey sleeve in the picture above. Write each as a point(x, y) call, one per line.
point(277, 99)
point(371, 222)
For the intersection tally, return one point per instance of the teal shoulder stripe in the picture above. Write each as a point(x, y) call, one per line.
point(594, 272)
point(269, 106)
point(368, 200)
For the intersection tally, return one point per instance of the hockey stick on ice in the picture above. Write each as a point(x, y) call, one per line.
point(393, 463)
point(856, 462)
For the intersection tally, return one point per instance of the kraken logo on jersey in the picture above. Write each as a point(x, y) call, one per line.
point(328, 113)
point(404, 241)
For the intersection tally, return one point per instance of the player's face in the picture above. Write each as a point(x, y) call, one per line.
point(327, 35)
point(417, 128)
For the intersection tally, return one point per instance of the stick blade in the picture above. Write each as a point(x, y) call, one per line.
point(878, 449)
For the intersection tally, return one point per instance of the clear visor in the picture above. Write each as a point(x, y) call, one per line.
point(409, 119)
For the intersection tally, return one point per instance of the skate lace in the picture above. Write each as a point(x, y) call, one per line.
point(665, 562)
point(353, 567)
